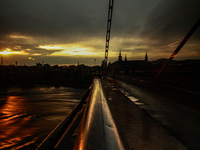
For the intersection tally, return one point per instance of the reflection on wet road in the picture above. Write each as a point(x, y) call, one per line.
point(183, 122)
point(28, 115)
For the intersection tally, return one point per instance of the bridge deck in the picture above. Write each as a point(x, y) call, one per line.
point(141, 130)
point(118, 112)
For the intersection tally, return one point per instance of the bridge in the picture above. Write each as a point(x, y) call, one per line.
point(115, 114)
point(130, 113)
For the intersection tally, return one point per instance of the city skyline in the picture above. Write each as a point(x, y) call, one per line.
point(65, 32)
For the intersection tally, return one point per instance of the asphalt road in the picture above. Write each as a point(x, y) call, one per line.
point(150, 120)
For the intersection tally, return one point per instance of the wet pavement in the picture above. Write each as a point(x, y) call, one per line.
point(151, 121)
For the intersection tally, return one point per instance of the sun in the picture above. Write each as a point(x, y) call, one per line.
point(8, 51)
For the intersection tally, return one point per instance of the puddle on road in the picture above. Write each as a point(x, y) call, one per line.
point(133, 99)
point(112, 86)
point(114, 89)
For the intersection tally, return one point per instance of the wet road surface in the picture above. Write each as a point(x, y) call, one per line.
point(151, 121)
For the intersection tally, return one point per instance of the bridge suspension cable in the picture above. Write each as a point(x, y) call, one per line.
point(110, 11)
point(185, 39)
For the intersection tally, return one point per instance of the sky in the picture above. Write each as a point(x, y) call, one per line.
point(66, 32)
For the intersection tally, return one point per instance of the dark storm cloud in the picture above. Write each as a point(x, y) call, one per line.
point(34, 49)
point(138, 25)
point(56, 18)
point(79, 19)
point(172, 19)
point(139, 50)
point(123, 50)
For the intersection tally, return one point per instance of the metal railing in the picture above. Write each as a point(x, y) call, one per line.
point(97, 129)
point(66, 127)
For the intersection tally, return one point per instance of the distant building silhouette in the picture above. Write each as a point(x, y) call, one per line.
point(135, 67)
point(1, 60)
point(46, 66)
point(125, 58)
point(120, 56)
point(38, 64)
point(146, 57)
point(94, 62)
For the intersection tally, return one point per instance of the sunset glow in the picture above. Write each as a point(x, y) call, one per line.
point(50, 47)
point(71, 50)
point(57, 40)
point(9, 51)
point(18, 36)
point(76, 50)
point(30, 58)
point(174, 44)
